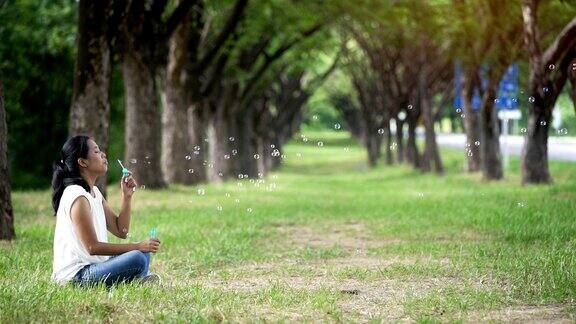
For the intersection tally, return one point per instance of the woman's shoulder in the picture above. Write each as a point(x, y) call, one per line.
point(74, 191)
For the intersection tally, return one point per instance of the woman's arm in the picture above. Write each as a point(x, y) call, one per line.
point(120, 225)
point(82, 220)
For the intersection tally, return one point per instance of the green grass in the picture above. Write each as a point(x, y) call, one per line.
point(324, 238)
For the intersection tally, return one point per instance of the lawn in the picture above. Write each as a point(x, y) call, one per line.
point(323, 239)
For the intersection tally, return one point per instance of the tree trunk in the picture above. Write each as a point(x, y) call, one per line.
point(246, 143)
point(572, 77)
point(373, 144)
point(197, 133)
point(535, 150)
point(431, 155)
point(90, 109)
point(412, 154)
point(471, 123)
point(143, 127)
point(6, 212)
point(490, 155)
point(388, 143)
point(177, 153)
point(400, 140)
point(219, 151)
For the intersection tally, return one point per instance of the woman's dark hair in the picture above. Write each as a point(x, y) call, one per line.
point(67, 170)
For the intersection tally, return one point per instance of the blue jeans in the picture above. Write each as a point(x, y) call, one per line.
point(119, 268)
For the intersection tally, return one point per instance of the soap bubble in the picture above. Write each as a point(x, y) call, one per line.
point(410, 107)
point(545, 89)
point(196, 152)
point(542, 123)
point(320, 144)
point(299, 155)
point(458, 110)
point(196, 148)
point(551, 66)
point(249, 210)
point(315, 117)
point(237, 200)
point(275, 153)
point(201, 191)
point(463, 115)
point(219, 208)
point(521, 204)
point(496, 101)
point(227, 195)
point(477, 143)
point(142, 187)
point(256, 156)
point(272, 146)
point(563, 131)
point(305, 139)
point(337, 126)
point(381, 131)
point(133, 161)
point(240, 176)
point(226, 156)
point(234, 152)
point(523, 130)
point(531, 99)
point(346, 149)
point(190, 170)
point(231, 138)
point(188, 157)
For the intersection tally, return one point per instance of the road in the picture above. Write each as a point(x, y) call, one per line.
point(559, 148)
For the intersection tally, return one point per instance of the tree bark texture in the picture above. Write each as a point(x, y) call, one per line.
point(6, 212)
point(90, 109)
point(143, 121)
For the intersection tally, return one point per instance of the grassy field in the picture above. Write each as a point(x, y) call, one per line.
point(324, 239)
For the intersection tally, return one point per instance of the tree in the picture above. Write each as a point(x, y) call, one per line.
point(192, 66)
point(90, 110)
point(142, 47)
point(548, 73)
point(6, 211)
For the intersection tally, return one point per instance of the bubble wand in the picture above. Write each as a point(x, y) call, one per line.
point(125, 171)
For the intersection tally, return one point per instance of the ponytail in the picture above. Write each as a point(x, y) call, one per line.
point(66, 171)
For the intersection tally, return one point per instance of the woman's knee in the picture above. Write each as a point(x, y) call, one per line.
point(137, 258)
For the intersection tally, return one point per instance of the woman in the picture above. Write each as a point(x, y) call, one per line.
point(82, 253)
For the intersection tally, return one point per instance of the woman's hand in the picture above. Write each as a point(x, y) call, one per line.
point(128, 185)
point(149, 245)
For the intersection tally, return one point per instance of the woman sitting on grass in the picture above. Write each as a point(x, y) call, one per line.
point(83, 217)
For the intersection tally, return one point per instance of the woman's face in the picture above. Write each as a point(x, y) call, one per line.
point(96, 161)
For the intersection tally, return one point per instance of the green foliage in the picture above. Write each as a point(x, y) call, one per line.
point(36, 66)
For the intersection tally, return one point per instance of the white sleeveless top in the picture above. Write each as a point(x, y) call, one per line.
point(70, 255)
